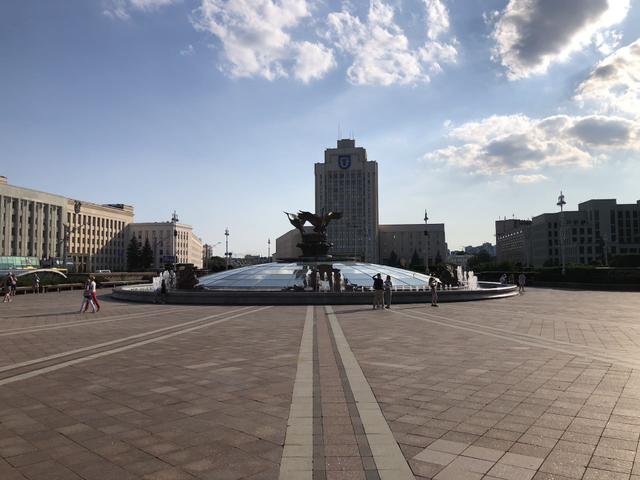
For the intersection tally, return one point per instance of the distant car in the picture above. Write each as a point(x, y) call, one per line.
point(103, 271)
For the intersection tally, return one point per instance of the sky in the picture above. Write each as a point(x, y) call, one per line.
point(218, 109)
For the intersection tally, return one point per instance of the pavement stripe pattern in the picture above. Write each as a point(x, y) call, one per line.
point(592, 353)
point(75, 323)
point(336, 429)
point(388, 457)
point(85, 358)
point(297, 456)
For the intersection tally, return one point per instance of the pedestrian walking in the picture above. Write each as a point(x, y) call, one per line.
point(36, 283)
point(378, 291)
point(522, 279)
point(433, 286)
point(93, 288)
point(387, 291)
point(87, 298)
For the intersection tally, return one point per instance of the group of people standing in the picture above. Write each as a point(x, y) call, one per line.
point(382, 291)
point(521, 280)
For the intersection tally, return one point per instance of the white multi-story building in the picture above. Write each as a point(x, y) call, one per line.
point(96, 235)
point(48, 226)
point(31, 222)
point(170, 242)
point(348, 183)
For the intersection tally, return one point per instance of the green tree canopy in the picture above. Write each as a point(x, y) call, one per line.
point(146, 255)
point(133, 254)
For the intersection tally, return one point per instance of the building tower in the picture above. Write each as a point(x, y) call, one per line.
point(347, 182)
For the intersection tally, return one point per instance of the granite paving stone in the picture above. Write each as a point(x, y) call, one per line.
point(545, 386)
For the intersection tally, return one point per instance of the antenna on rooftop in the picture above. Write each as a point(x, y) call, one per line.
point(339, 131)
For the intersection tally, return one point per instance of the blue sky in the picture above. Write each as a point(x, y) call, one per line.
point(218, 109)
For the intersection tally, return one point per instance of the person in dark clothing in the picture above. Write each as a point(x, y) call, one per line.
point(378, 291)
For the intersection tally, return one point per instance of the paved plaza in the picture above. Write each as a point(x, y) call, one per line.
point(543, 386)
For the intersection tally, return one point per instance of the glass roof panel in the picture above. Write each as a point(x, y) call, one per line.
point(277, 276)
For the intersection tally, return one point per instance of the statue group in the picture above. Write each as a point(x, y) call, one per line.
point(314, 243)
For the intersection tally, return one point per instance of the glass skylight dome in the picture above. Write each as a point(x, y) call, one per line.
point(284, 276)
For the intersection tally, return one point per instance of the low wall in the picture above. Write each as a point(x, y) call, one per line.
point(226, 297)
point(609, 287)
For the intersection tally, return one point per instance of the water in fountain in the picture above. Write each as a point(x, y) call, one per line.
point(462, 281)
point(472, 281)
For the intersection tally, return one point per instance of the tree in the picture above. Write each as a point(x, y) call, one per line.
point(628, 260)
point(216, 264)
point(133, 254)
point(146, 255)
point(481, 261)
point(416, 260)
point(393, 259)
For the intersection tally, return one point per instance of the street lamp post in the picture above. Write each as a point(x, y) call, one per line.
point(561, 203)
point(226, 253)
point(426, 241)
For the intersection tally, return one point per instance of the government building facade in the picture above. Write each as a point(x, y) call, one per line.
point(599, 230)
point(347, 182)
point(47, 228)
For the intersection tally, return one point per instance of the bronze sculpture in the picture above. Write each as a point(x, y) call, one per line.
point(314, 244)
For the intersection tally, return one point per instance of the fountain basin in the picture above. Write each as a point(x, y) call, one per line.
point(312, 283)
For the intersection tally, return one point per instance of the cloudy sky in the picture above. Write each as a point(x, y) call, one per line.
point(218, 109)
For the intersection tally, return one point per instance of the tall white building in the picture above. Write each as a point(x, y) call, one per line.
point(347, 182)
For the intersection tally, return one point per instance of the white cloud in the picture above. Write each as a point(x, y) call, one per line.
point(116, 9)
point(256, 39)
point(517, 144)
point(606, 42)
point(531, 35)
point(188, 51)
point(312, 61)
point(437, 19)
point(614, 85)
point(529, 178)
point(261, 38)
point(151, 4)
point(380, 49)
point(120, 9)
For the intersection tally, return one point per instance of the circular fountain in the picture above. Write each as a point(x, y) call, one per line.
point(316, 278)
